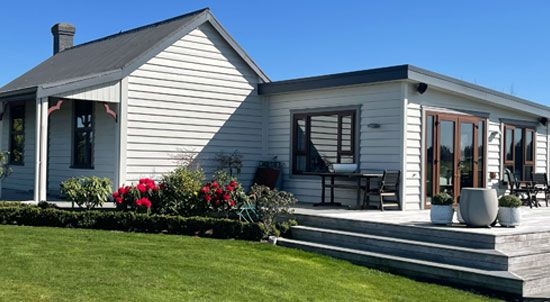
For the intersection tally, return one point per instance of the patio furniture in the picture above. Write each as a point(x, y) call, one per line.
point(352, 181)
point(540, 185)
point(522, 189)
point(478, 206)
point(389, 187)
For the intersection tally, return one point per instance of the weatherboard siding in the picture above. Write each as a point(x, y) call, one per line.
point(379, 148)
point(439, 101)
point(109, 92)
point(60, 146)
point(22, 177)
point(197, 96)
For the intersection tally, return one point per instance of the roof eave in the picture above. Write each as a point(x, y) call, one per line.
point(19, 94)
point(392, 73)
point(500, 99)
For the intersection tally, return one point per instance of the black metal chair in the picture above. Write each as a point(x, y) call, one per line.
point(389, 187)
point(522, 189)
point(540, 185)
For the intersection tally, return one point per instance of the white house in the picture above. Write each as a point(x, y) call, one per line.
point(123, 106)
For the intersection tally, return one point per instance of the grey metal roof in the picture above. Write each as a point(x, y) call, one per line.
point(99, 56)
point(391, 73)
point(112, 53)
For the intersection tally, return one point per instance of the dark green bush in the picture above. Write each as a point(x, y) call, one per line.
point(442, 199)
point(509, 201)
point(131, 221)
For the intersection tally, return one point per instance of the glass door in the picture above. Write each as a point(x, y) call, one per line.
point(455, 152)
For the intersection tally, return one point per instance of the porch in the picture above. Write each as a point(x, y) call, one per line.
point(509, 261)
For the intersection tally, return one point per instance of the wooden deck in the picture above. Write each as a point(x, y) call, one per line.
point(510, 261)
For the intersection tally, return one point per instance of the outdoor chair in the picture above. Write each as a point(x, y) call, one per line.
point(522, 189)
point(540, 185)
point(389, 187)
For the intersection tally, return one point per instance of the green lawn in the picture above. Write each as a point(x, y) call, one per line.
point(52, 264)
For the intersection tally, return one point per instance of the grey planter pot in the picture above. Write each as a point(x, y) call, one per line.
point(478, 206)
point(509, 217)
point(441, 214)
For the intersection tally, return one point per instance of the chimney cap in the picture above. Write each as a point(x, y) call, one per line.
point(63, 28)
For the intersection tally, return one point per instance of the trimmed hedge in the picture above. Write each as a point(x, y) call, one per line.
point(133, 222)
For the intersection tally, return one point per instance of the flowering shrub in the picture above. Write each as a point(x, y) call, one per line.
point(222, 194)
point(141, 197)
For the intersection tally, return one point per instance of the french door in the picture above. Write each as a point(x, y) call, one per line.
point(455, 154)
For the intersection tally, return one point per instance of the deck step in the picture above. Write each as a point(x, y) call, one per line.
point(535, 281)
point(488, 259)
point(418, 232)
point(499, 281)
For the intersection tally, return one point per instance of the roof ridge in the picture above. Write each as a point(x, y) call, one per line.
point(138, 29)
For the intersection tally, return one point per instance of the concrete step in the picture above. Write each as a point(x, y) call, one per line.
point(499, 281)
point(487, 259)
point(421, 232)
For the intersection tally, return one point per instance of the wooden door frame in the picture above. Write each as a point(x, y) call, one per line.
point(458, 119)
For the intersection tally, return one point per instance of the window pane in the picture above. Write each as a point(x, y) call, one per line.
point(429, 157)
point(323, 142)
point(300, 163)
point(518, 153)
point(300, 135)
point(83, 135)
point(529, 145)
point(446, 154)
point(480, 153)
point(347, 141)
point(509, 138)
point(17, 134)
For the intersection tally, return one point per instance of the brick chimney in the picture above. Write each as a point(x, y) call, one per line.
point(63, 34)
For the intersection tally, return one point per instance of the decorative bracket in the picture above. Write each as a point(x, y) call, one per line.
point(55, 107)
point(3, 111)
point(110, 112)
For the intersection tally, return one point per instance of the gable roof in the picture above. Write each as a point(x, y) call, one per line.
point(404, 73)
point(113, 57)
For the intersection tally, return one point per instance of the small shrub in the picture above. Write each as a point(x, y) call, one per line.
point(509, 201)
point(87, 192)
point(5, 169)
point(442, 199)
point(180, 189)
point(270, 205)
point(140, 197)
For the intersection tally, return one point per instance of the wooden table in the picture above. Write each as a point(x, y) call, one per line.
point(356, 176)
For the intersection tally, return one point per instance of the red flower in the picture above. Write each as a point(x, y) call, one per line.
point(229, 188)
point(215, 184)
point(233, 183)
point(207, 198)
point(143, 202)
point(231, 203)
point(219, 191)
point(118, 200)
point(216, 202)
point(142, 188)
point(205, 190)
point(115, 195)
point(226, 196)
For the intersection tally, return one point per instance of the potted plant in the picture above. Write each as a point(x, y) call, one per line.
point(442, 209)
point(508, 211)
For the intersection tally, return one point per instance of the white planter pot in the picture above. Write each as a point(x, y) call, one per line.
point(478, 206)
point(509, 217)
point(441, 214)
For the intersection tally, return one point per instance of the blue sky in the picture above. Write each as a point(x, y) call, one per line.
point(503, 45)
